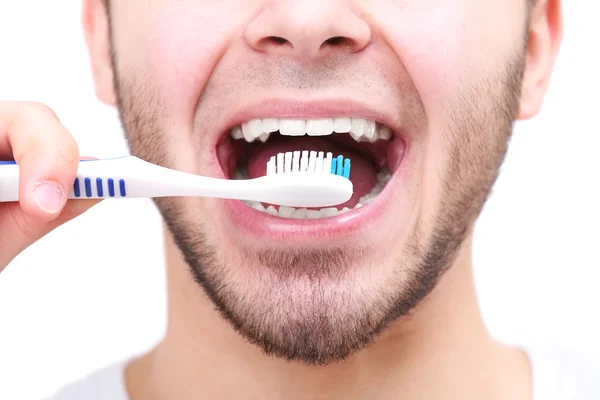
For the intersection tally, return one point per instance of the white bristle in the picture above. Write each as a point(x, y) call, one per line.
point(319, 165)
point(304, 161)
point(271, 169)
point(280, 163)
point(300, 161)
point(327, 163)
point(288, 161)
point(296, 162)
point(312, 161)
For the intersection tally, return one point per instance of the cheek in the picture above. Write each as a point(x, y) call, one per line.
point(447, 48)
point(182, 53)
point(174, 49)
point(447, 45)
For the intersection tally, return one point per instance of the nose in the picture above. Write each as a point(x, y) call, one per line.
point(307, 30)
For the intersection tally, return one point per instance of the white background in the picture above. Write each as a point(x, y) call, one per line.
point(93, 291)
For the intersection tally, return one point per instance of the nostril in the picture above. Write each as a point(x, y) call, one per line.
point(336, 41)
point(339, 41)
point(278, 40)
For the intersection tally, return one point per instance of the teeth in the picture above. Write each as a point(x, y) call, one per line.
point(331, 212)
point(383, 178)
point(319, 127)
point(247, 133)
point(370, 130)
point(385, 133)
point(358, 128)
point(292, 127)
point(313, 214)
point(302, 213)
point(237, 133)
point(384, 175)
point(272, 210)
point(286, 212)
point(342, 125)
point(270, 125)
point(255, 128)
point(257, 206)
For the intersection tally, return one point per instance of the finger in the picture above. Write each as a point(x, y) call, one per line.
point(47, 154)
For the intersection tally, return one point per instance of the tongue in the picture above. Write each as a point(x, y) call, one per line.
point(362, 173)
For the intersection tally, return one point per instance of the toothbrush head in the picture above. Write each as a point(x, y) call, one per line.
point(308, 179)
point(310, 162)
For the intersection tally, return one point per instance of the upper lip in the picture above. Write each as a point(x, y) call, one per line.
point(274, 107)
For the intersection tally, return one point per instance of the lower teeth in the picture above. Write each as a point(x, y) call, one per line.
point(302, 213)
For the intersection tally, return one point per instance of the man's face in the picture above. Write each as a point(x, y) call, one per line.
point(442, 76)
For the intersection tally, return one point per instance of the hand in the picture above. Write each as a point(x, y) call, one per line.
point(48, 157)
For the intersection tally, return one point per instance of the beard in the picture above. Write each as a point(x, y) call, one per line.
point(307, 305)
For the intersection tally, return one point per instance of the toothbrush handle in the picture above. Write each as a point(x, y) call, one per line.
point(129, 177)
point(95, 179)
point(9, 181)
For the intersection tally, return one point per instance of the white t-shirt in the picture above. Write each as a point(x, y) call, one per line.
point(557, 375)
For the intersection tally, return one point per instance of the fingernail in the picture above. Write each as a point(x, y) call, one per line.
point(49, 197)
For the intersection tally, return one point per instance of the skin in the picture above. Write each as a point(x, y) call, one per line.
point(406, 321)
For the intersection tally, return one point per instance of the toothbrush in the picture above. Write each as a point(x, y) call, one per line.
point(294, 179)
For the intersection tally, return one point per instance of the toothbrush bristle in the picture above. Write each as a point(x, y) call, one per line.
point(296, 162)
point(312, 160)
point(308, 161)
point(280, 164)
point(304, 161)
point(288, 161)
point(319, 163)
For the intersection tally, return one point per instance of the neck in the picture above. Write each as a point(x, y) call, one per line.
point(441, 351)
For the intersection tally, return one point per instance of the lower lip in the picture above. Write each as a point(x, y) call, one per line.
point(258, 223)
point(262, 225)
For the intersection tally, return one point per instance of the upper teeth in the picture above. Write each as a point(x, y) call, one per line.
point(359, 128)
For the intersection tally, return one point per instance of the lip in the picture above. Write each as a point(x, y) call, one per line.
point(262, 225)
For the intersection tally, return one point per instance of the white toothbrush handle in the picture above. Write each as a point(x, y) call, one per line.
point(131, 177)
point(122, 177)
point(9, 181)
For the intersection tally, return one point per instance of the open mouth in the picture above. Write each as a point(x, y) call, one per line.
point(375, 150)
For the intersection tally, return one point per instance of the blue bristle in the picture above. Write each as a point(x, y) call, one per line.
point(111, 187)
point(122, 188)
point(333, 165)
point(88, 187)
point(99, 187)
point(340, 166)
point(347, 169)
point(77, 188)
